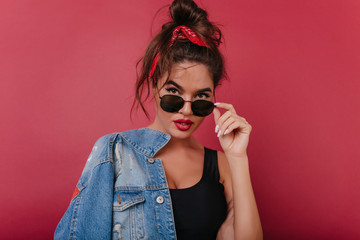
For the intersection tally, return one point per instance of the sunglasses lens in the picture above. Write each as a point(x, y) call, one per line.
point(171, 103)
point(202, 108)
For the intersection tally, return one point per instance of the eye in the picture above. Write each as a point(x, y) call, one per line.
point(172, 90)
point(203, 95)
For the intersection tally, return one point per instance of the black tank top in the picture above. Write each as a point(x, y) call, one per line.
point(200, 210)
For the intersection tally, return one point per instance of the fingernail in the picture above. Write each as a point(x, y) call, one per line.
point(219, 133)
point(226, 131)
point(217, 103)
point(217, 128)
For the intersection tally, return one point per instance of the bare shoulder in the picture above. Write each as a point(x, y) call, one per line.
point(225, 174)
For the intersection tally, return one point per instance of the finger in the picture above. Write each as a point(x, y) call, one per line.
point(224, 127)
point(243, 126)
point(232, 126)
point(217, 115)
point(243, 119)
point(226, 106)
point(223, 118)
point(220, 122)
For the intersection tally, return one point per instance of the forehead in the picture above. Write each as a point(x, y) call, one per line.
point(191, 75)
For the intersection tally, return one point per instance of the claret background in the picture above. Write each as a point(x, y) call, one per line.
point(67, 73)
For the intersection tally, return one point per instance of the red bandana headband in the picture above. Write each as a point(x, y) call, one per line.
point(180, 32)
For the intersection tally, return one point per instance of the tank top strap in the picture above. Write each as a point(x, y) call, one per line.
point(211, 168)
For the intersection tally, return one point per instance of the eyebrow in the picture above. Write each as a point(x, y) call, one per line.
point(181, 89)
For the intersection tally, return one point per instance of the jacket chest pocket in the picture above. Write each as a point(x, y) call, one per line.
point(128, 215)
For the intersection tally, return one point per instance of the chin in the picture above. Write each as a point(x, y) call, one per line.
point(180, 135)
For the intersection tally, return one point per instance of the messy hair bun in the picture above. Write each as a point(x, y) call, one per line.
point(182, 12)
point(186, 12)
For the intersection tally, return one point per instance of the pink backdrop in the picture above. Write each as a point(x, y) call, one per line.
point(67, 70)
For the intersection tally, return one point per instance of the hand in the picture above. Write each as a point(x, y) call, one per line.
point(233, 130)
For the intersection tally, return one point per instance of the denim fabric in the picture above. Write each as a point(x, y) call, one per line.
point(122, 192)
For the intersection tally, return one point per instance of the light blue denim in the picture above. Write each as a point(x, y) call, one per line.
point(123, 193)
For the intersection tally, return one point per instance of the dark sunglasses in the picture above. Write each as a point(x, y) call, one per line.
point(173, 103)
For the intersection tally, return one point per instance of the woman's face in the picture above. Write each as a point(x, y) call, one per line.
point(191, 81)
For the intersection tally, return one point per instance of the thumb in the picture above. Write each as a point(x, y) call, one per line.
point(217, 114)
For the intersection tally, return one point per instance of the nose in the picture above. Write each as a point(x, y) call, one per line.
point(186, 109)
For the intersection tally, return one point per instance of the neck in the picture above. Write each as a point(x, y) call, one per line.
point(189, 142)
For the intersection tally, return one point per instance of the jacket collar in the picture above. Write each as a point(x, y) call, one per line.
point(146, 140)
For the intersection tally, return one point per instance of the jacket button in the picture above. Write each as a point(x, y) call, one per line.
point(151, 160)
point(160, 199)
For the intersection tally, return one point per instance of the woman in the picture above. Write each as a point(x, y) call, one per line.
point(159, 182)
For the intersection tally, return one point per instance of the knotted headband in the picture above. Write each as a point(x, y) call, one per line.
point(180, 32)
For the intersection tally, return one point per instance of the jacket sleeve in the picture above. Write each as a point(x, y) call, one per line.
point(89, 215)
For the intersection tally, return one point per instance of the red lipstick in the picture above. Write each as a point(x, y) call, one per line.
point(183, 124)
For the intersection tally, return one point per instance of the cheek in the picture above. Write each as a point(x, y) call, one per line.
point(163, 115)
point(199, 120)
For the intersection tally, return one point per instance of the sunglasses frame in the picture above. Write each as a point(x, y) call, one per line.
point(184, 101)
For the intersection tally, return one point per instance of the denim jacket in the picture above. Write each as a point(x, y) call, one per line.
point(122, 192)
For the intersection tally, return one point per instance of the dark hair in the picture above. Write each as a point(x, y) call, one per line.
point(182, 12)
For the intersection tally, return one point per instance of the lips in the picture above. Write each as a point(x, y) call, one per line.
point(183, 124)
point(183, 121)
